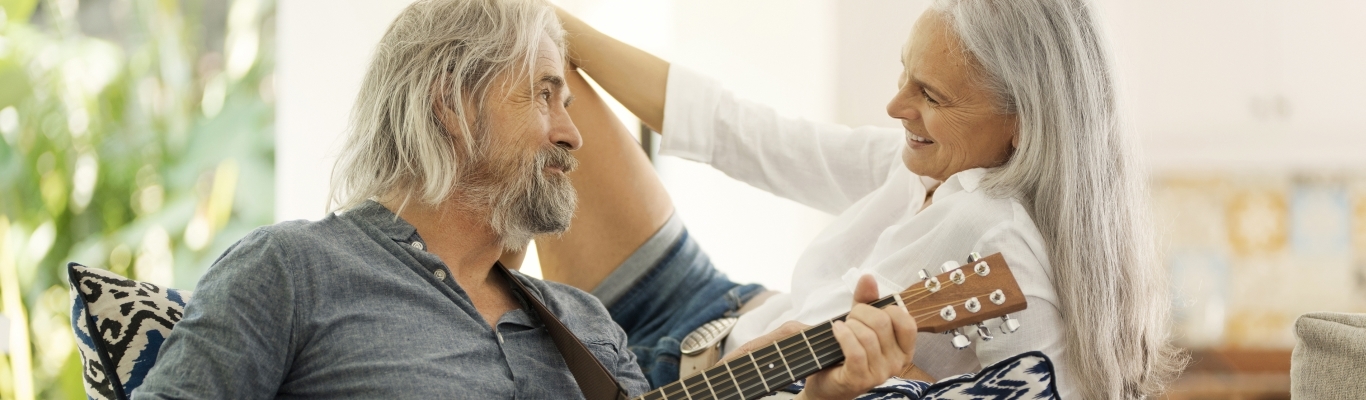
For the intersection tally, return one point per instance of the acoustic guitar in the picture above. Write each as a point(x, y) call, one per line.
point(959, 296)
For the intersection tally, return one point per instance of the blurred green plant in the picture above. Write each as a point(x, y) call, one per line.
point(138, 137)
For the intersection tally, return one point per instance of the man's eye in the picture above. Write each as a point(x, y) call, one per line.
point(927, 96)
point(545, 95)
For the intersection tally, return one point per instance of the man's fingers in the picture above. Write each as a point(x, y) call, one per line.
point(879, 324)
point(855, 354)
point(866, 290)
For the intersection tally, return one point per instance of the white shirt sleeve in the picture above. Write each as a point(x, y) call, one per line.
point(824, 166)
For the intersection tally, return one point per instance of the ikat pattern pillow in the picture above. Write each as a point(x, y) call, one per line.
point(120, 325)
point(1027, 376)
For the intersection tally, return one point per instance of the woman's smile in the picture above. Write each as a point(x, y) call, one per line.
point(916, 142)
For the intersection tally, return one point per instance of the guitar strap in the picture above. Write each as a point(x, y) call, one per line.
point(593, 379)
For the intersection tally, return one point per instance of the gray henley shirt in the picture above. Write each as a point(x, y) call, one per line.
point(353, 307)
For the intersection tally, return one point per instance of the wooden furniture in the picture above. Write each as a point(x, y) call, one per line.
point(1234, 374)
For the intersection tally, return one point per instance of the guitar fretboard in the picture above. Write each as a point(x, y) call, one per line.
point(767, 369)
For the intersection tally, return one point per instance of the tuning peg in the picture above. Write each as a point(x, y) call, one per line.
point(948, 266)
point(1009, 325)
point(973, 257)
point(960, 341)
point(984, 332)
point(931, 282)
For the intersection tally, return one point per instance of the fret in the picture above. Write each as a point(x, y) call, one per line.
point(738, 390)
point(656, 394)
point(779, 350)
point(799, 355)
point(685, 383)
point(746, 374)
point(719, 374)
point(828, 347)
point(769, 359)
point(709, 388)
point(674, 390)
point(814, 357)
point(760, 372)
point(695, 382)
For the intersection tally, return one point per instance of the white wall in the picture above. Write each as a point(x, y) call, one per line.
point(1231, 84)
point(323, 50)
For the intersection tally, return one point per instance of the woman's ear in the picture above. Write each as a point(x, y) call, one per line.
point(1015, 140)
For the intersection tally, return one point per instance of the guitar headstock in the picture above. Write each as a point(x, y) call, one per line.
point(965, 294)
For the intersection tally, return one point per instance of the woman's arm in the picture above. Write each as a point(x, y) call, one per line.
point(635, 78)
point(821, 165)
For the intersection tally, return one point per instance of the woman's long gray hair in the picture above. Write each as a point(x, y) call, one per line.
point(449, 51)
point(1077, 172)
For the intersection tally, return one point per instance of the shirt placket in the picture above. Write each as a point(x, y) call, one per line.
point(442, 274)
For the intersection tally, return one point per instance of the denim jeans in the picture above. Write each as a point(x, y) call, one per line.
point(678, 293)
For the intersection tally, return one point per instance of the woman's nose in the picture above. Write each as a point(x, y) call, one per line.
point(902, 106)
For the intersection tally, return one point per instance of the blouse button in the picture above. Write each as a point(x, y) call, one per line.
point(418, 245)
point(440, 274)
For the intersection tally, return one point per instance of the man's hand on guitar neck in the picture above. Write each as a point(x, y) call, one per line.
point(877, 344)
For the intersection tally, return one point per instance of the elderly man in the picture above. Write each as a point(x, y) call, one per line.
point(459, 145)
point(458, 153)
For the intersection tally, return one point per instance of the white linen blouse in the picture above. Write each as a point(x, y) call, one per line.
point(858, 174)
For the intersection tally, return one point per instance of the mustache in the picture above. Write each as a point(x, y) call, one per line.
point(556, 157)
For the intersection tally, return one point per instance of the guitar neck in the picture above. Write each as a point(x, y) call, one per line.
point(767, 369)
point(939, 304)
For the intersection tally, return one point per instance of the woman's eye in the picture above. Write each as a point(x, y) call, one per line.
point(545, 95)
point(927, 96)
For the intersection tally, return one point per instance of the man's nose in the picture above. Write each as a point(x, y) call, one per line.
point(563, 133)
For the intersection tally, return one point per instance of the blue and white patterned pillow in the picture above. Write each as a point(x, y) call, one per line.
point(1025, 376)
point(131, 320)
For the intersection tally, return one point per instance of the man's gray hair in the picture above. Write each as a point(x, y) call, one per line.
point(444, 53)
point(1080, 177)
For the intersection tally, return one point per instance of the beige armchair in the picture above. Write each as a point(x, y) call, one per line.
point(1329, 361)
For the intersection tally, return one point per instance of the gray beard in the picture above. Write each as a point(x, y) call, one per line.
point(533, 203)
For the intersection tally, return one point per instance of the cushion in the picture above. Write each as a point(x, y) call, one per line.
point(120, 325)
point(1329, 356)
point(1023, 376)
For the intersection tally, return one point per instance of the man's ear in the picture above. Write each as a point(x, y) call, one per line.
point(444, 115)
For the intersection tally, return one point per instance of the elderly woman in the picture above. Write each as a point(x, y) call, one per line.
point(1012, 143)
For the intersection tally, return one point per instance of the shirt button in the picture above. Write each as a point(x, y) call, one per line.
point(418, 246)
point(440, 274)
